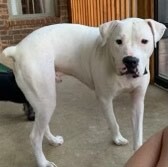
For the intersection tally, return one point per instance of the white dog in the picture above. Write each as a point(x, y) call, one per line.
point(108, 59)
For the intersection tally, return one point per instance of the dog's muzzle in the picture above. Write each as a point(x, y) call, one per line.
point(131, 64)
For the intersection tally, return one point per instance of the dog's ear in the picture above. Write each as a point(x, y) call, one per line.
point(157, 28)
point(106, 29)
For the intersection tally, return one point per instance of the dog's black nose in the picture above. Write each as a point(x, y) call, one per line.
point(130, 62)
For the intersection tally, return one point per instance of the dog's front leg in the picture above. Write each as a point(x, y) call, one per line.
point(53, 140)
point(137, 117)
point(107, 107)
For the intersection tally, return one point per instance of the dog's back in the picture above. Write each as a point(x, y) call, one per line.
point(68, 45)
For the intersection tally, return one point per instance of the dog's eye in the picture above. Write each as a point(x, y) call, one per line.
point(119, 41)
point(144, 41)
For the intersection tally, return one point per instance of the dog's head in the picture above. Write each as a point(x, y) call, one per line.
point(130, 43)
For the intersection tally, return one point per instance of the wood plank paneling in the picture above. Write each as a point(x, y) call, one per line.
point(117, 9)
point(123, 8)
point(133, 8)
point(145, 8)
point(109, 10)
point(127, 8)
point(96, 12)
point(101, 11)
point(113, 10)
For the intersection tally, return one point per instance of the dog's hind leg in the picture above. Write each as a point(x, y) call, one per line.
point(37, 81)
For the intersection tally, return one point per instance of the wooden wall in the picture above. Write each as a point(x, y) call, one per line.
point(95, 12)
point(145, 8)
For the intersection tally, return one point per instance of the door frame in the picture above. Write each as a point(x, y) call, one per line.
point(158, 79)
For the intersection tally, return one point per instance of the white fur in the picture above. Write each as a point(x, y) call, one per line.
point(91, 55)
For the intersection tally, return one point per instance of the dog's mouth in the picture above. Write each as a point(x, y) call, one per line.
point(134, 72)
point(130, 71)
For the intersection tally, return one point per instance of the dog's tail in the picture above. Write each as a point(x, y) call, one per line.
point(9, 51)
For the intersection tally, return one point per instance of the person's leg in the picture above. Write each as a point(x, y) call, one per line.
point(148, 154)
point(163, 161)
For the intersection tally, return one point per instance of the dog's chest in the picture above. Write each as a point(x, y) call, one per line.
point(126, 84)
point(123, 84)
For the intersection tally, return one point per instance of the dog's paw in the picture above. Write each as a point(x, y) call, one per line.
point(47, 164)
point(119, 140)
point(57, 141)
point(51, 164)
